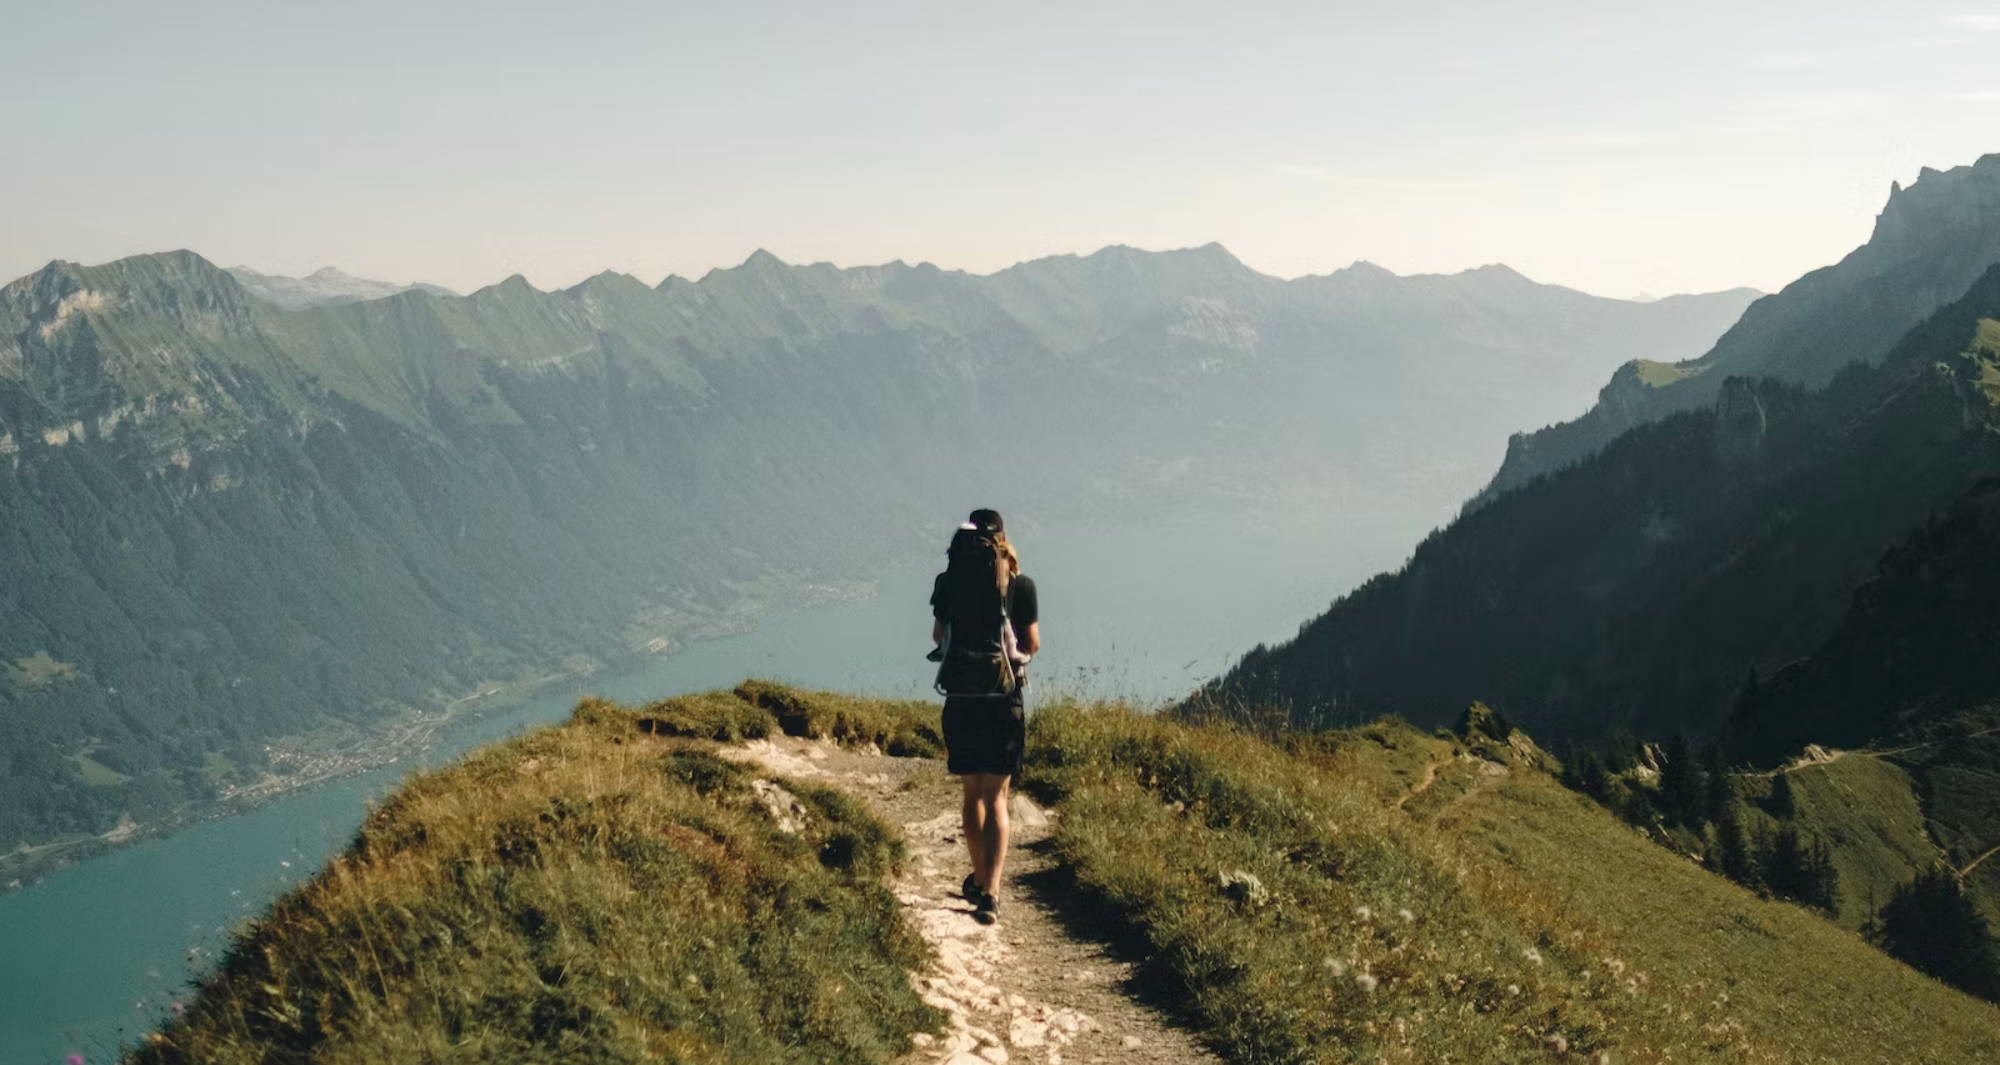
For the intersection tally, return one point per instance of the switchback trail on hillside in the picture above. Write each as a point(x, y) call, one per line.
point(1027, 991)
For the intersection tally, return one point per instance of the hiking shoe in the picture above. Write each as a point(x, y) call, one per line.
point(969, 890)
point(988, 909)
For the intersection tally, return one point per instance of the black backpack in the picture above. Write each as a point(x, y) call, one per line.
point(975, 576)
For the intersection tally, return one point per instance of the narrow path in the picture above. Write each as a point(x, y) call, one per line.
point(1430, 777)
point(1835, 754)
point(1024, 991)
point(1488, 773)
point(1974, 863)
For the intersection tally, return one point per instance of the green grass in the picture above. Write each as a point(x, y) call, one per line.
point(710, 716)
point(1867, 812)
point(595, 892)
point(218, 766)
point(95, 773)
point(755, 709)
point(1654, 374)
point(1496, 918)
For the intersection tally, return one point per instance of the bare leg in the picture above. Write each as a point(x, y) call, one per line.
point(986, 829)
point(972, 823)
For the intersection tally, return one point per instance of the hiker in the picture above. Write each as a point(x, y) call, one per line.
point(984, 623)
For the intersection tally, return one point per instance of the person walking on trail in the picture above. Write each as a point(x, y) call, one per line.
point(985, 624)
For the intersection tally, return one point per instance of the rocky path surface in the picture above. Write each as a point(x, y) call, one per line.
point(1027, 990)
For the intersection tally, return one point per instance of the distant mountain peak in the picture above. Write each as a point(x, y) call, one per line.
point(1363, 268)
point(511, 285)
point(1963, 197)
point(324, 287)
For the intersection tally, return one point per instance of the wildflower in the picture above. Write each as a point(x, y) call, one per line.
point(1558, 1044)
point(1366, 982)
point(1364, 913)
point(1617, 967)
point(1406, 915)
point(73, 1059)
point(1335, 966)
point(177, 1009)
point(1513, 990)
point(1534, 956)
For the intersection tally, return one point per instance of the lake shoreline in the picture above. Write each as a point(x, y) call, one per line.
point(414, 731)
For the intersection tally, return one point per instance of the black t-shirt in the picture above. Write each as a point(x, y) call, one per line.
point(983, 629)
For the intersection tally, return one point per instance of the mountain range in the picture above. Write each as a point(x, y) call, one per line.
point(229, 520)
point(323, 287)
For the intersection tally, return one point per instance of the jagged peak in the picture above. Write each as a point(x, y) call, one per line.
point(1938, 198)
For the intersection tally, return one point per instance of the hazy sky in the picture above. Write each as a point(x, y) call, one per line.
point(1683, 146)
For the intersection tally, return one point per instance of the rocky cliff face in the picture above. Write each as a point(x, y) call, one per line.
point(224, 520)
point(1931, 241)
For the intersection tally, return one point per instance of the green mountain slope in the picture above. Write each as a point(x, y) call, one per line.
point(1929, 243)
point(1640, 587)
point(1911, 655)
point(1442, 897)
point(222, 521)
point(1907, 676)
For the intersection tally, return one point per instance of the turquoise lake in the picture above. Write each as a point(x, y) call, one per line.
point(94, 955)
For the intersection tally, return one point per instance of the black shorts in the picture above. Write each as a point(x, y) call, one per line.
point(984, 733)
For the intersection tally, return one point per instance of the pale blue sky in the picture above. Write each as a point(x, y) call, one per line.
point(1683, 146)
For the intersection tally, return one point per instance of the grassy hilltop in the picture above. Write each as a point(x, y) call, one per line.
point(592, 892)
point(610, 890)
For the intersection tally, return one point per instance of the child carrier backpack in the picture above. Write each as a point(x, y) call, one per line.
point(975, 581)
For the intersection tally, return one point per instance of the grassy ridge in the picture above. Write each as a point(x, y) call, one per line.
point(1868, 812)
point(1300, 915)
point(592, 892)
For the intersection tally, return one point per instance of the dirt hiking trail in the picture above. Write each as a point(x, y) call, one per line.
point(1026, 991)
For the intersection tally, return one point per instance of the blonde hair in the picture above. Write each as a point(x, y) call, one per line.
point(1004, 575)
point(1013, 558)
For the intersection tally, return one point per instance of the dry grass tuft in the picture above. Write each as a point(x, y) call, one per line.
point(903, 729)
